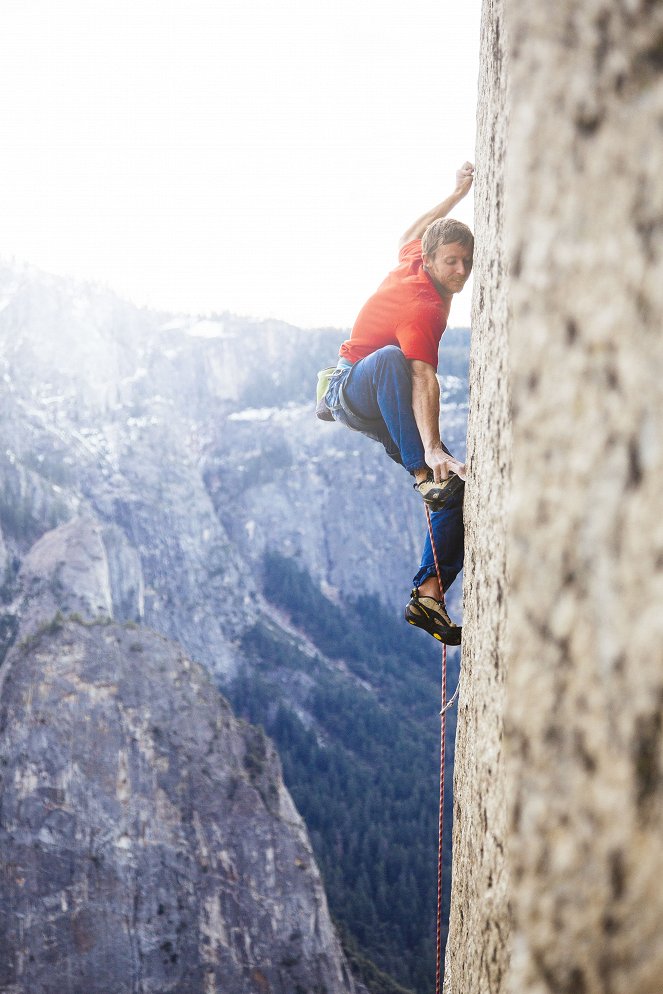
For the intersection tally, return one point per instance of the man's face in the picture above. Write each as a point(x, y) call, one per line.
point(449, 267)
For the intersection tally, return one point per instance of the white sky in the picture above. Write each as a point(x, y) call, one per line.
point(258, 156)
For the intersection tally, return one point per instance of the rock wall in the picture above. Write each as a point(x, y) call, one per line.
point(585, 699)
point(476, 949)
point(577, 793)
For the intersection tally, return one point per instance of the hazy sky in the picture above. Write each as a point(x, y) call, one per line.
point(255, 156)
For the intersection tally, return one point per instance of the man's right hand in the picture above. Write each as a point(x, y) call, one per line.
point(464, 179)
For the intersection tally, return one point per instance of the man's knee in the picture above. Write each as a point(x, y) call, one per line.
point(390, 356)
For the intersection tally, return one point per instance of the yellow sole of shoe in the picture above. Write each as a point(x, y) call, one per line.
point(434, 634)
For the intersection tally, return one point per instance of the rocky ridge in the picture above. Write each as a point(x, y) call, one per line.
point(148, 841)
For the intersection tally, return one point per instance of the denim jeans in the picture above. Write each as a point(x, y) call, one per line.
point(374, 397)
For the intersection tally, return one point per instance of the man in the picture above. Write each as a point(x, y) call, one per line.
point(385, 386)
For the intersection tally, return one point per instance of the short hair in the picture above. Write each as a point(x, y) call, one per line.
point(444, 231)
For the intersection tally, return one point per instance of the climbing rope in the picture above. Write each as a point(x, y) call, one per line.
point(445, 705)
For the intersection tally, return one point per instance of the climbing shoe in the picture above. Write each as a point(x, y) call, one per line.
point(431, 615)
point(437, 495)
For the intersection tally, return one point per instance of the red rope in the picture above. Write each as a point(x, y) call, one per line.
point(443, 730)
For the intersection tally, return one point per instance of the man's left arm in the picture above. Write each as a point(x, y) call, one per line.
point(426, 409)
point(464, 179)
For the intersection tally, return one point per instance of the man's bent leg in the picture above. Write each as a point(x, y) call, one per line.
point(380, 386)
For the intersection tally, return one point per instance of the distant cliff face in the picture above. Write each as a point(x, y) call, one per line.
point(558, 839)
point(148, 842)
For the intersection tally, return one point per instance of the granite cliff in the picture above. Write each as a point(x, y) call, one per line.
point(558, 781)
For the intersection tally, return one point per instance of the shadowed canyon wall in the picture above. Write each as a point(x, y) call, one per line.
point(557, 838)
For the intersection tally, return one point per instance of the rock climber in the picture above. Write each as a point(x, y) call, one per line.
point(385, 386)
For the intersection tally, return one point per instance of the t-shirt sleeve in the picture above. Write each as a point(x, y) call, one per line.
point(410, 250)
point(419, 335)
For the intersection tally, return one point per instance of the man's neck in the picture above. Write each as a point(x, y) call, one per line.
point(442, 291)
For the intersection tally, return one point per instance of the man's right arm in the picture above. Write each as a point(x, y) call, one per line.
point(426, 409)
point(464, 179)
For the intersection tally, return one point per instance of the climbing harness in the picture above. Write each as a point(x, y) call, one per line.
point(445, 705)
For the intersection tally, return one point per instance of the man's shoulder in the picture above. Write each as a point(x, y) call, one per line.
point(410, 250)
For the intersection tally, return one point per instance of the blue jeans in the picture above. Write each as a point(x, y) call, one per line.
point(375, 397)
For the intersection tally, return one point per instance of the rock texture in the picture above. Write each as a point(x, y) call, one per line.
point(585, 709)
point(477, 952)
point(577, 792)
point(148, 842)
point(80, 568)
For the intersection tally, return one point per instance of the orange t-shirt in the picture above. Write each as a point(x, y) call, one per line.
point(406, 310)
